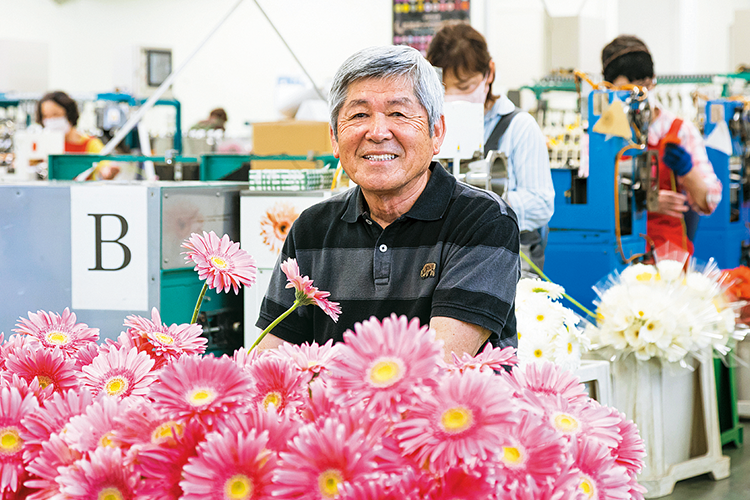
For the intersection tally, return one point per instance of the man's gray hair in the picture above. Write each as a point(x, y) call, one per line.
point(389, 62)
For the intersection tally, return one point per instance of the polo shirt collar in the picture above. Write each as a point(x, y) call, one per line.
point(431, 204)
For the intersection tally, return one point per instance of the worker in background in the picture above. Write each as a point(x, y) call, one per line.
point(627, 60)
point(216, 120)
point(57, 112)
point(468, 74)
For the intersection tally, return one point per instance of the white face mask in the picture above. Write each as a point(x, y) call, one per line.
point(478, 95)
point(59, 124)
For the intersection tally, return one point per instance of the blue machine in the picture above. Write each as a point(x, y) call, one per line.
point(582, 247)
point(723, 234)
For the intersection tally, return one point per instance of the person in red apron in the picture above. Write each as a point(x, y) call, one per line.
point(687, 182)
point(56, 111)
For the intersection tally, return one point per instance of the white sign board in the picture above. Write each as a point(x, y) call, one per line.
point(464, 130)
point(109, 247)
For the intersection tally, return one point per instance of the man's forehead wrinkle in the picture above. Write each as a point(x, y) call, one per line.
point(367, 102)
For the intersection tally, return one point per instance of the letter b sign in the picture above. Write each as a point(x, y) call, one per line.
point(99, 242)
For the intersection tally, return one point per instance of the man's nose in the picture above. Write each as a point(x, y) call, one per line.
point(379, 129)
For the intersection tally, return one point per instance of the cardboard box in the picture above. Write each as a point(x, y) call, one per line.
point(290, 137)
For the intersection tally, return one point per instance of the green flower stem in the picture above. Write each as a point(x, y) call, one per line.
point(270, 327)
point(200, 301)
point(544, 276)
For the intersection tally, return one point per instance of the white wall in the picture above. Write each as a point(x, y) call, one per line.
point(239, 67)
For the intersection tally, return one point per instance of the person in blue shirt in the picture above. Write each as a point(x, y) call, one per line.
point(468, 74)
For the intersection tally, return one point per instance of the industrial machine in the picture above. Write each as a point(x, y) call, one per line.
point(724, 234)
point(109, 250)
point(599, 219)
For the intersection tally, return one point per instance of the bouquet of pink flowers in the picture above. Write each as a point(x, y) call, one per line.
point(379, 416)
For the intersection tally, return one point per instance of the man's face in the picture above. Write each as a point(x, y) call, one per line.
point(648, 83)
point(384, 140)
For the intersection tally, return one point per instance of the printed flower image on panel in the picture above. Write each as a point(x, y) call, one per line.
point(275, 224)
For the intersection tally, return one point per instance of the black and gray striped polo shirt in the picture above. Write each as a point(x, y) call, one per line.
point(454, 254)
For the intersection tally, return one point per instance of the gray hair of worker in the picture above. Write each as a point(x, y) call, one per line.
point(388, 62)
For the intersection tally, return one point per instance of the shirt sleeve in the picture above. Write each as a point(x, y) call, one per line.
point(297, 327)
point(693, 142)
point(531, 194)
point(479, 274)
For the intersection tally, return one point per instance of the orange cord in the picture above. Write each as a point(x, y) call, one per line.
point(618, 233)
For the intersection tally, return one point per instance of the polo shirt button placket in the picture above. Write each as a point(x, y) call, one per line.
point(383, 248)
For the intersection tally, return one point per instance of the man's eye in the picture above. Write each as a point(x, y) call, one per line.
point(359, 115)
point(398, 113)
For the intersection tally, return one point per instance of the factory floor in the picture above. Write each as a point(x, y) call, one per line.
point(735, 487)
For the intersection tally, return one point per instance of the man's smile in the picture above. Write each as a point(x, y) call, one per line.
point(380, 157)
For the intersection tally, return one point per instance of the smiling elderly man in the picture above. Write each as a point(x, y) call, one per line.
point(408, 239)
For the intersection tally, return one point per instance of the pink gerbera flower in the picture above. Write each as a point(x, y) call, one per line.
point(95, 427)
point(278, 382)
point(534, 450)
point(388, 365)
point(49, 366)
point(310, 359)
point(229, 466)
point(319, 403)
point(490, 359)
point(564, 487)
point(203, 388)
point(306, 293)
point(590, 419)
point(220, 262)
point(161, 466)
point(464, 421)
point(13, 409)
point(320, 459)
point(85, 355)
point(281, 426)
point(120, 373)
point(376, 489)
point(631, 450)
point(548, 380)
point(14, 343)
point(104, 475)
point(163, 342)
point(25, 387)
point(52, 330)
point(53, 454)
point(458, 483)
point(141, 425)
point(600, 478)
point(51, 418)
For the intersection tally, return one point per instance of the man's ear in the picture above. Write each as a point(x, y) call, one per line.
point(334, 142)
point(491, 79)
point(438, 135)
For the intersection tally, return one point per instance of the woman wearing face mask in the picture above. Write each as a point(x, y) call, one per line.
point(57, 112)
point(627, 60)
point(468, 74)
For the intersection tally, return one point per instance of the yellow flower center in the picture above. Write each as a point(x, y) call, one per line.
point(163, 433)
point(641, 314)
point(219, 262)
point(44, 381)
point(386, 371)
point(106, 440)
point(328, 483)
point(538, 353)
point(540, 317)
point(164, 338)
point(199, 397)
point(565, 423)
point(512, 455)
point(456, 419)
point(57, 338)
point(272, 398)
point(539, 290)
point(650, 326)
point(239, 487)
point(587, 486)
point(645, 276)
point(116, 385)
point(10, 442)
point(110, 494)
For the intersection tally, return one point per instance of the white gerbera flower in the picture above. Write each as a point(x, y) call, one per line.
point(670, 270)
point(639, 273)
point(535, 348)
point(703, 286)
point(568, 351)
point(530, 286)
point(539, 313)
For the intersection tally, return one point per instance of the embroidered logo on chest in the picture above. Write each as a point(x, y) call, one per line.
point(428, 271)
